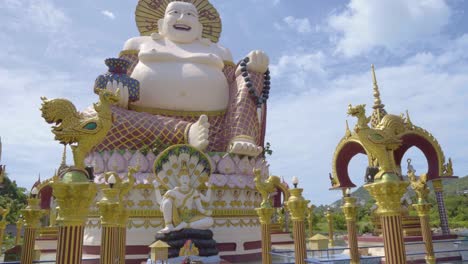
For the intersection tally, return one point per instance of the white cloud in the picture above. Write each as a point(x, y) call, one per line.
point(108, 14)
point(40, 15)
point(45, 15)
point(392, 24)
point(296, 70)
point(299, 25)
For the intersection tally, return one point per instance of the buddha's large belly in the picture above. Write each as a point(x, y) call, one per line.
point(181, 86)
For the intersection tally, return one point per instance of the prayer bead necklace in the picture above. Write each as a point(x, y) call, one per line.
point(262, 98)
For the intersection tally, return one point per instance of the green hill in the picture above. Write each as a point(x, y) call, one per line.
point(451, 187)
point(455, 197)
point(456, 186)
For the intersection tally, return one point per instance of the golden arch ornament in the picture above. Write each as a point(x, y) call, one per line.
point(148, 13)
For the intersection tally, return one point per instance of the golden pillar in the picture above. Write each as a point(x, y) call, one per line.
point(73, 200)
point(265, 215)
point(423, 213)
point(329, 216)
point(387, 192)
point(114, 217)
point(3, 212)
point(297, 206)
point(110, 210)
point(32, 215)
point(423, 208)
point(19, 227)
point(122, 235)
point(265, 212)
point(310, 218)
point(2, 233)
point(350, 212)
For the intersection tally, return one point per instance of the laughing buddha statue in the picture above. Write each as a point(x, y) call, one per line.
point(190, 90)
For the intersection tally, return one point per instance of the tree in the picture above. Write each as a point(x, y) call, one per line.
point(14, 197)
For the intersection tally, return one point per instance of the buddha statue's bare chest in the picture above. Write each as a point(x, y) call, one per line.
point(188, 78)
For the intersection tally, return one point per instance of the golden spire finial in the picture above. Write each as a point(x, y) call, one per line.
point(348, 132)
point(408, 120)
point(379, 111)
point(377, 101)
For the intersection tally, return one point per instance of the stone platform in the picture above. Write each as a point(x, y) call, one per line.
point(203, 240)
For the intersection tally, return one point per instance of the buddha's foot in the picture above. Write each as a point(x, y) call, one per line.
point(198, 133)
point(167, 229)
point(242, 147)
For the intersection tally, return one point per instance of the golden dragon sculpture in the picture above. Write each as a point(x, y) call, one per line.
point(379, 142)
point(418, 185)
point(82, 132)
point(265, 188)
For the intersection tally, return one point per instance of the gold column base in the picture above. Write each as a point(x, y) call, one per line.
point(331, 239)
point(73, 200)
point(387, 192)
point(350, 211)
point(265, 215)
point(122, 237)
point(32, 216)
point(297, 206)
point(19, 227)
point(300, 253)
point(423, 213)
point(70, 244)
point(109, 243)
point(2, 233)
point(27, 251)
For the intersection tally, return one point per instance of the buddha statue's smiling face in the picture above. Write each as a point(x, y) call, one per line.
point(180, 23)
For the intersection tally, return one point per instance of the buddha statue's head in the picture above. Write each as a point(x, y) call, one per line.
point(180, 23)
point(184, 176)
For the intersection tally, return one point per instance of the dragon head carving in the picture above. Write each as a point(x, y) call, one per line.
point(73, 127)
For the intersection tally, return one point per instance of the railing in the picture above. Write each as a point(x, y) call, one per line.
point(46, 261)
point(330, 256)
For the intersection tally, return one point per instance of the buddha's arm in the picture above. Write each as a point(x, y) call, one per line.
point(130, 51)
point(199, 206)
point(242, 109)
point(157, 192)
point(132, 57)
point(206, 198)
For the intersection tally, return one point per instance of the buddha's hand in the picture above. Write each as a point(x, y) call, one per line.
point(198, 133)
point(258, 61)
point(115, 86)
point(244, 146)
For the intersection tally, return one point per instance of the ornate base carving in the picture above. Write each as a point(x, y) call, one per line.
point(203, 240)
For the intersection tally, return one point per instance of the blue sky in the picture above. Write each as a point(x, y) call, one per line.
point(320, 54)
